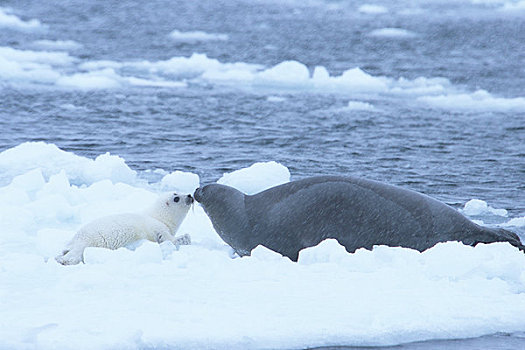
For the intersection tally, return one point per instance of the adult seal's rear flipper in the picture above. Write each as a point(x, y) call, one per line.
point(358, 213)
point(490, 235)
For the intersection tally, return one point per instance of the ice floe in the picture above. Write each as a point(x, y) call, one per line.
point(201, 296)
point(11, 21)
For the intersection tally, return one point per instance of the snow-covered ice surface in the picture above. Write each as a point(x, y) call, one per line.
point(199, 296)
point(103, 105)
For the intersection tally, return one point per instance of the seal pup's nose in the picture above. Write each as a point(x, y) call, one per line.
point(189, 199)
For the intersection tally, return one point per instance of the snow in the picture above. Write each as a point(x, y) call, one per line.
point(50, 160)
point(180, 181)
point(479, 207)
point(196, 36)
point(11, 21)
point(202, 296)
point(257, 177)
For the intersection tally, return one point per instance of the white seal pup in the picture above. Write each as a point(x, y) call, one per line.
point(158, 224)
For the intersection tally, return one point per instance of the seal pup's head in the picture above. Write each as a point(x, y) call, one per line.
point(171, 208)
point(226, 209)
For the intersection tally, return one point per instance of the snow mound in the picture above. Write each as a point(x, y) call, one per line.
point(51, 160)
point(478, 207)
point(256, 178)
point(180, 181)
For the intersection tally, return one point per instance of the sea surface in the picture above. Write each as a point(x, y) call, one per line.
point(437, 104)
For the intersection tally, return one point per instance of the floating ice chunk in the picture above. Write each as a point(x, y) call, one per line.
point(256, 178)
point(181, 181)
point(100, 65)
point(356, 79)
point(511, 6)
point(283, 76)
point(480, 100)
point(516, 222)
point(394, 33)
point(372, 9)
point(478, 207)
point(155, 82)
point(102, 79)
point(275, 99)
point(103, 75)
point(195, 36)
point(8, 20)
point(57, 44)
point(31, 66)
point(195, 66)
point(16, 72)
point(420, 86)
point(320, 74)
point(32, 57)
point(291, 72)
point(359, 106)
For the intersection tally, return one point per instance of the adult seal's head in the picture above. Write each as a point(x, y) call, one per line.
point(225, 207)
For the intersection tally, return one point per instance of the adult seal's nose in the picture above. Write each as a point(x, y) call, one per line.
point(197, 194)
point(189, 199)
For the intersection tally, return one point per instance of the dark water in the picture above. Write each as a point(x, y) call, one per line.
point(453, 155)
point(492, 342)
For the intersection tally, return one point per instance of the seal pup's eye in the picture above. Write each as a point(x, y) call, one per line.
point(176, 199)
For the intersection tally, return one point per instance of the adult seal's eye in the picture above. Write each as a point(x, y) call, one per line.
point(176, 199)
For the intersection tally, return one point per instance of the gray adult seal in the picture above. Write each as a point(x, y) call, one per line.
point(358, 213)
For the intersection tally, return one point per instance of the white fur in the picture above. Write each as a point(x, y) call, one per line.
point(158, 224)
